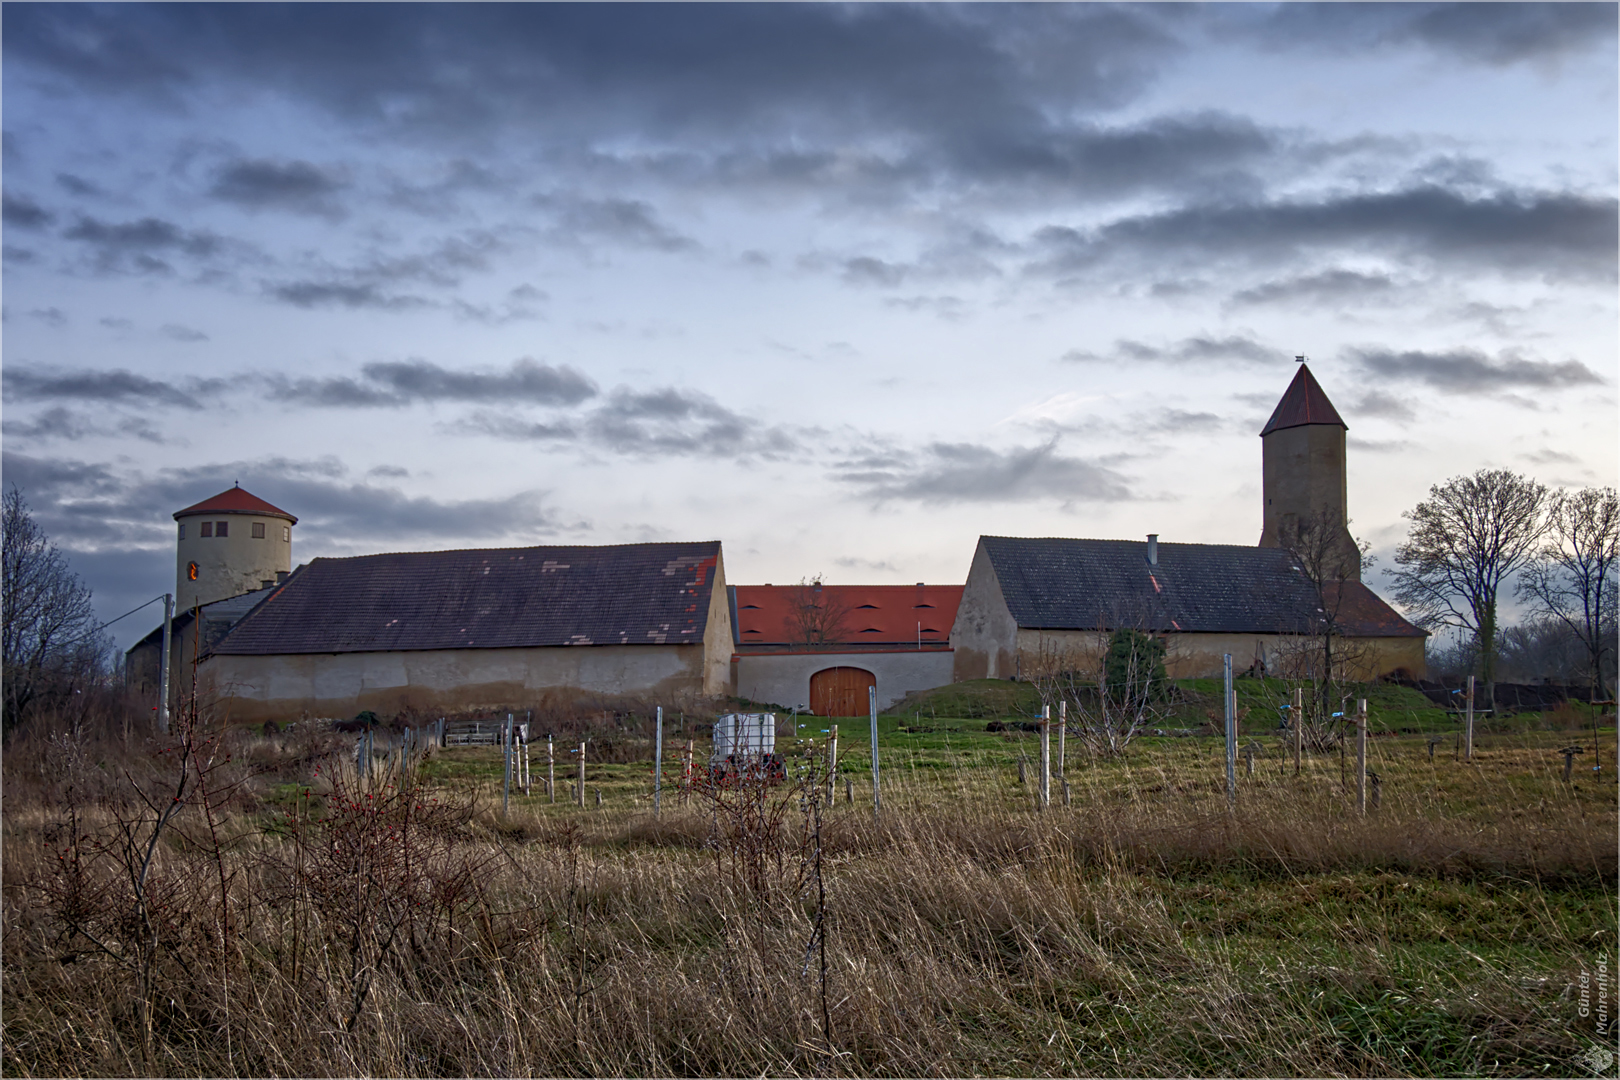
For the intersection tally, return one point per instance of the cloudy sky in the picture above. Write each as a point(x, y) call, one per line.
point(844, 287)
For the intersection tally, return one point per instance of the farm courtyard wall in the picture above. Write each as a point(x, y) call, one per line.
point(783, 679)
point(286, 687)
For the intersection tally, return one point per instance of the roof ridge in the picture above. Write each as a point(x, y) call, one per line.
point(526, 547)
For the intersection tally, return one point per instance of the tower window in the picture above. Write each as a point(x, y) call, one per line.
point(207, 529)
point(222, 528)
point(286, 533)
point(182, 530)
point(258, 530)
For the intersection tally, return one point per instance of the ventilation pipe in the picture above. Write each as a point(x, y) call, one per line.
point(1153, 549)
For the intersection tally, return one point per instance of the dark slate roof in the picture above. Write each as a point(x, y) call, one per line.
point(1304, 402)
point(1059, 584)
point(218, 617)
point(491, 598)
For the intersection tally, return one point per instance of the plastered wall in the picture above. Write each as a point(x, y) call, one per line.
point(783, 679)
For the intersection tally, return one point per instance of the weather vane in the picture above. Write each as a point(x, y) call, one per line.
point(1299, 359)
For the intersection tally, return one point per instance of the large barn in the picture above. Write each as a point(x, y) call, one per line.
point(1294, 605)
point(824, 647)
point(439, 631)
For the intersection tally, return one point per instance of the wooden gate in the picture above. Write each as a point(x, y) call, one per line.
point(840, 691)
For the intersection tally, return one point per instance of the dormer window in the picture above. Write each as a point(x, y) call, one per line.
point(867, 607)
point(922, 605)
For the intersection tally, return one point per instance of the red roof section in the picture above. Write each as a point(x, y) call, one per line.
point(1304, 402)
point(235, 500)
point(858, 614)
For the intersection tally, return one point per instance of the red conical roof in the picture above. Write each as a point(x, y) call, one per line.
point(234, 500)
point(1304, 402)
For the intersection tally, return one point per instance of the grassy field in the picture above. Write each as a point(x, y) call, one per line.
point(293, 923)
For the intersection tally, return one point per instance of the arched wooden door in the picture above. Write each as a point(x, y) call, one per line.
point(840, 691)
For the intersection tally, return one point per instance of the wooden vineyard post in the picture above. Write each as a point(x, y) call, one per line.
point(551, 768)
point(528, 777)
point(1299, 726)
point(1361, 756)
point(1231, 734)
point(877, 792)
point(582, 776)
point(832, 766)
point(1046, 757)
point(1468, 723)
point(658, 764)
point(686, 771)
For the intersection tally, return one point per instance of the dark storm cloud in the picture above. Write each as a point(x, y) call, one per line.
point(1483, 33)
point(673, 69)
point(1469, 371)
point(22, 212)
point(141, 246)
point(115, 386)
point(971, 473)
point(1557, 234)
point(297, 186)
point(1331, 287)
point(1200, 349)
point(406, 382)
point(68, 425)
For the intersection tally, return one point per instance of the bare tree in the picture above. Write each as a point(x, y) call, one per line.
point(49, 639)
point(1467, 538)
point(1114, 684)
point(817, 618)
point(1329, 562)
point(1572, 577)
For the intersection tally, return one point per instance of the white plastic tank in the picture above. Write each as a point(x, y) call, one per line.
point(747, 734)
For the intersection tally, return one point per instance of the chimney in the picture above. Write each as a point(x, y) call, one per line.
point(265, 583)
point(281, 575)
point(1153, 549)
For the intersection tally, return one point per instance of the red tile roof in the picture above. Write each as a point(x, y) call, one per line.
point(861, 614)
point(1304, 402)
point(235, 500)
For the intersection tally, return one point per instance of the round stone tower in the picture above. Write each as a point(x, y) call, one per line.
point(1303, 470)
point(230, 544)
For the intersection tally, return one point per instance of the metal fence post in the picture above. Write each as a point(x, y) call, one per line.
point(1231, 733)
point(1361, 756)
point(877, 794)
point(1046, 756)
point(658, 764)
point(1468, 724)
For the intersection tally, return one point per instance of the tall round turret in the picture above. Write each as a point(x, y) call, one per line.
point(1303, 475)
point(230, 544)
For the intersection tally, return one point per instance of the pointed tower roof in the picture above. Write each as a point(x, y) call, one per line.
point(235, 500)
point(1304, 402)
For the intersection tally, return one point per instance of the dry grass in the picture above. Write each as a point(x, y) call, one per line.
point(1144, 930)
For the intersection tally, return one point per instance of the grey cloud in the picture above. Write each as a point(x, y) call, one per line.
point(1379, 446)
point(970, 473)
point(22, 212)
point(1557, 234)
point(865, 270)
point(628, 222)
point(673, 421)
point(1199, 349)
point(1179, 421)
point(1334, 287)
point(296, 186)
point(85, 505)
point(114, 323)
point(318, 294)
point(18, 255)
point(77, 185)
point(1548, 456)
point(1378, 404)
point(1486, 33)
point(51, 316)
point(399, 383)
point(114, 386)
point(388, 470)
point(176, 332)
point(1469, 371)
point(139, 246)
point(515, 428)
